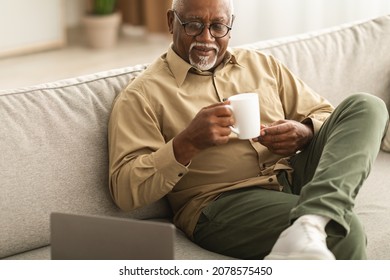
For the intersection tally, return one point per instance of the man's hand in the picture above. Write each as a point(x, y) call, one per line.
point(285, 137)
point(210, 127)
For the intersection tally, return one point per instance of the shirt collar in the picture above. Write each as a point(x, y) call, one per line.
point(180, 67)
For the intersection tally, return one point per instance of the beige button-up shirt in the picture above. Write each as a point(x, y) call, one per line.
point(164, 99)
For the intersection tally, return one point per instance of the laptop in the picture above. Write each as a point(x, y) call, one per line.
point(82, 237)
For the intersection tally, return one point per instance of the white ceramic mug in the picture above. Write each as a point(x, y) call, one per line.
point(246, 111)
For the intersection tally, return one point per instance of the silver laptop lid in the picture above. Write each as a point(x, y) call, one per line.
point(79, 237)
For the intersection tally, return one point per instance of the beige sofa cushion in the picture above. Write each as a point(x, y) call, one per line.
point(386, 141)
point(53, 156)
point(340, 61)
point(347, 59)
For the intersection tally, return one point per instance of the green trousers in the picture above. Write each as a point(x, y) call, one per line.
point(327, 177)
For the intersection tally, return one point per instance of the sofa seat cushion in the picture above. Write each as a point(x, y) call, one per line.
point(42, 253)
point(386, 141)
point(373, 208)
point(184, 250)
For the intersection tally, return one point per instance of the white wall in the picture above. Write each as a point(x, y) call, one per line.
point(266, 19)
point(30, 25)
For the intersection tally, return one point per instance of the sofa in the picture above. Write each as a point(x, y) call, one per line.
point(53, 143)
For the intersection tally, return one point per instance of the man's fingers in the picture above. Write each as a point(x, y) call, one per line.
point(277, 129)
point(217, 104)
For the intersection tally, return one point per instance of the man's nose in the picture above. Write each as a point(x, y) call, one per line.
point(205, 36)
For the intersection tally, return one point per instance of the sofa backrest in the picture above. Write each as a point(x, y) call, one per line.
point(53, 156)
point(339, 61)
point(53, 143)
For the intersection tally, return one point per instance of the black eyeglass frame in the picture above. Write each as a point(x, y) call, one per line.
point(202, 25)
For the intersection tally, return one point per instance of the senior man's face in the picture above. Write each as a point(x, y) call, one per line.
point(203, 51)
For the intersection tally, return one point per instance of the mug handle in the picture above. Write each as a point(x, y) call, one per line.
point(233, 129)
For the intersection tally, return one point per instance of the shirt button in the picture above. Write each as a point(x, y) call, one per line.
point(270, 180)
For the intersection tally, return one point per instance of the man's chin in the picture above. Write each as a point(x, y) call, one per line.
point(203, 63)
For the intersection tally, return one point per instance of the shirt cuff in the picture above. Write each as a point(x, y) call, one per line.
point(315, 123)
point(166, 164)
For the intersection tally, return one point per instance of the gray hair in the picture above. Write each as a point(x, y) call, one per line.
point(178, 5)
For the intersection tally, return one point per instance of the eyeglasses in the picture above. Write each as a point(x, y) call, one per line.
point(195, 28)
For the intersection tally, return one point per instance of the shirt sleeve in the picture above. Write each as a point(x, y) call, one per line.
point(142, 165)
point(300, 102)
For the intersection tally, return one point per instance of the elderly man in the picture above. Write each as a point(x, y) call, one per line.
point(288, 194)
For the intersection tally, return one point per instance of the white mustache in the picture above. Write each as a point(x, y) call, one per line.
point(204, 45)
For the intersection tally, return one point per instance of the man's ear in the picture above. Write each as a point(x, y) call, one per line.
point(170, 19)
